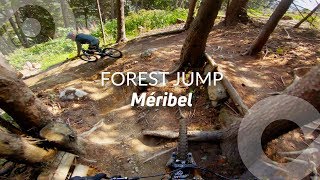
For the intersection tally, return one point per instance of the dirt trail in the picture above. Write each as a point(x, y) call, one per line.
point(117, 145)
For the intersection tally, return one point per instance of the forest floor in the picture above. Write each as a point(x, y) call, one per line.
point(116, 145)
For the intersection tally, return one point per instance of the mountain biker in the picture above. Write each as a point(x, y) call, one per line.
point(84, 39)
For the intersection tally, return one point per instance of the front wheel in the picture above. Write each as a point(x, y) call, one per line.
point(111, 52)
point(88, 58)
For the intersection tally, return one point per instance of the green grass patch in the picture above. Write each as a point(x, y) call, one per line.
point(297, 16)
point(259, 13)
point(47, 54)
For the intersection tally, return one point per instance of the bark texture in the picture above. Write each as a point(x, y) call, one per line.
point(21, 104)
point(22, 149)
point(237, 12)
point(64, 13)
point(269, 27)
point(192, 6)
point(194, 46)
point(31, 114)
point(121, 22)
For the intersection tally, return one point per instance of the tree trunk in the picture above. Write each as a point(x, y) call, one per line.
point(194, 46)
point(237, 12)
point(64, 13)
point(269, 27)
point(121, 22)
point(16, 31)
point(192, 6)
point(307, 88)
point(23, 36)
point(31, 114)
point(22, 149)
point(182, 2)
point(305, 18)
point(112, 14)
point(101, 23)
point(86, 19)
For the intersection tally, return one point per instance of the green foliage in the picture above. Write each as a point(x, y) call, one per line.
point(46, 54)
point(259, 13)
point(146, 19)
point(280, 51)
point(58, 50)
point(314, 19)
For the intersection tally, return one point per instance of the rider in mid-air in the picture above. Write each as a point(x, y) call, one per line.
point(84, 39)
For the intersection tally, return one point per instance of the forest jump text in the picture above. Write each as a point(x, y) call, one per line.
point(145, 79)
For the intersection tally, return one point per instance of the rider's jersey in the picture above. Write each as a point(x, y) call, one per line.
point(87, 39)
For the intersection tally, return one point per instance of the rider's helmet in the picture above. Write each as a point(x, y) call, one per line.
point(70, 35)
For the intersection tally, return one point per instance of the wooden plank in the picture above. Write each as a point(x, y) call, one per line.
point(48, 172)
point(64, 167)
point(80, 170)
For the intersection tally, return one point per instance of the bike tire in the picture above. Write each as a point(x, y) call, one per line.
point(183, 140)
point(88, 58)
point(111, 52)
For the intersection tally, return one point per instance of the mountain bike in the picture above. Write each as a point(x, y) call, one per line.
point(181, 164)
point(92, 55)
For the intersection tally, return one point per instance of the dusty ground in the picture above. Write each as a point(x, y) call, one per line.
point(117, 146)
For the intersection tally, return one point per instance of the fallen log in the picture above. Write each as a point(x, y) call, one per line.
point(31, 114)
point(197, 136)
point(23, 149)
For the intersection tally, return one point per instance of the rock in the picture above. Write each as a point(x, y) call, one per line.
point(141, 29)
point(29, 65)
point(204, 158)
point(216, 93)
point(36, 65)
point(71, 94)
point(136, 169)
point(148, 53)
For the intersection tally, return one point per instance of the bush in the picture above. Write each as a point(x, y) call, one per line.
point(147, 19)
